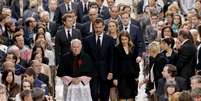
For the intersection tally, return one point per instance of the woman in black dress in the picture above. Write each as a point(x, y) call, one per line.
point(126, 70)
point(167, 45)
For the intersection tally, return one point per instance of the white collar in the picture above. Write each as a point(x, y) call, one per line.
point(184, 41)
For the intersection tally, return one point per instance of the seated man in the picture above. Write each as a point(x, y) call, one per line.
point(169, 74)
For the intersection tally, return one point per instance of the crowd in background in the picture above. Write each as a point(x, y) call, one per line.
point(101, 49)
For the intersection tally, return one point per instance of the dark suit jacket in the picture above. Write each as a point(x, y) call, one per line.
point(52, 28)
point(186, 62)
point(105, 12)
point(16, 8)
point(75, 66)
point(44, 78)
point(61, 10)
point(180, 83)
point(124, 64)
point(86, 29)
point(158, 64)
point(137, 38)
point(81, 11)
point(103, 62)
point(62, 43)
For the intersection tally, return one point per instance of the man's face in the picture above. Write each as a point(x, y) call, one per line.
point(165, 72)
point(195, 84)
point(110, 3)
point(37, 66)
point(125, 19)
point(53, 5)
point(67, 1)
point(69, 22)
point(98, 27)
point(114, 12)
point(76, 48)
point(20, 42)
point(46, 17)
point(93, 14)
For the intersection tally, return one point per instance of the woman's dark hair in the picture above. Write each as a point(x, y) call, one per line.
point(34, 53)
point(169, 41)
point(167, 27)
point(30, 72)
point(38, 34)
point(4, 76)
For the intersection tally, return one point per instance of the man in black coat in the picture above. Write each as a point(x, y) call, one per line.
point(64, 7)
point(64, 36)
point(169, 74)
point(186, 62)
point(100, 47)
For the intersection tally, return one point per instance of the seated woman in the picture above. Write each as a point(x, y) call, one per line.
point(75, 70)
point(12, 88)
point(25, 85)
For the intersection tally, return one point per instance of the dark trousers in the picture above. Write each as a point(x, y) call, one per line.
point(100, 89)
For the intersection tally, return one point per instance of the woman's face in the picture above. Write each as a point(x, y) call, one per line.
point(26, 86)
point(176, 20)
point(41, 37)
point(112, 27)
point(163, 45)
point(9, 77)
point(170, 90)
point(167, 33)
point(124, 40)
point(38, 57)
point(169, 19)
point(39, 50)
point(40, 30)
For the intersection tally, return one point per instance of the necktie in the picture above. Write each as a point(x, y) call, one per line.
point(98, 43)
point(126, 28)
point(99, 10)
point(69, 36)
point(85, 8)
point(68, 7)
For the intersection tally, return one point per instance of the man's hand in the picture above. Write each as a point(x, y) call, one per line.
point(109, 76)
point(76, 81)
point(138, 59)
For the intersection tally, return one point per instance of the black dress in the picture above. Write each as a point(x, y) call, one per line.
point(126, 71)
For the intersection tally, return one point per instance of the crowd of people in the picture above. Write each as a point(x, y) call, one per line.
point(148, 51)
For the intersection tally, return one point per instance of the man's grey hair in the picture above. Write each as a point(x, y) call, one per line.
point(197, 78)
point(75, 41)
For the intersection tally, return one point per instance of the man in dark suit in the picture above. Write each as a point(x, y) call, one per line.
point(103, 10)
point(169, 74)
point(134, 31)
point(83, 7)
point(100, 47)
point(87, 28)
point(67, 5)
point(18, 7)
point(64, 36)
point(51, 27)
point(186, 62)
